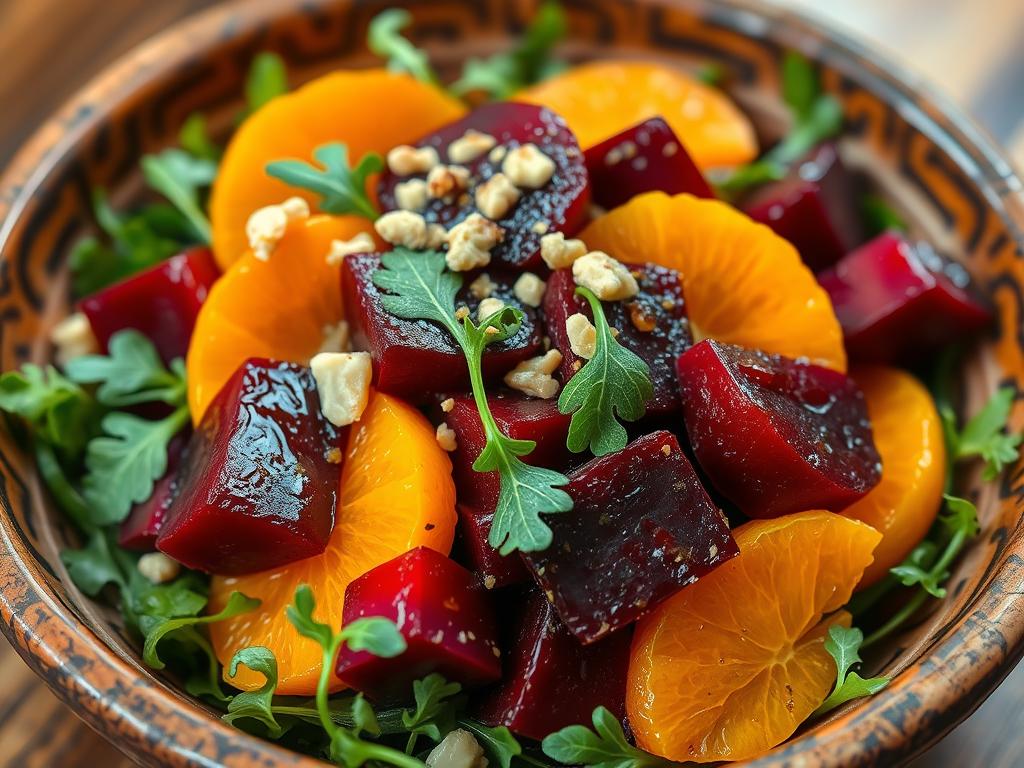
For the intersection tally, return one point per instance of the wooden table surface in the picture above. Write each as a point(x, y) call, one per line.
point(52, 46)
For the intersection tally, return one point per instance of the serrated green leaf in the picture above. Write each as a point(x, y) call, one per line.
point(256, 704)
point(419, 286)
point(498, 744)
point(130, 373)
point(434, 715)
point(93, 567)
point(342, 188)
point(384, 38)
point(58, 411)
point(843, 645)
point(603, 747)
point(179, 176)
point(165, 625)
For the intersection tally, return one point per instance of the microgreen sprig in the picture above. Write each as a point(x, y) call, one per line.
point(984, 436)
point(341, 187)
point(603, 747)
point(179, 176)
point(843, 644)
point(384, 37)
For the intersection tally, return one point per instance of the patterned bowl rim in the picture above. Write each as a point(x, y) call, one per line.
point(146, 720)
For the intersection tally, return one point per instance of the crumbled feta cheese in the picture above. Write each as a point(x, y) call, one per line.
point(497, 154)
point(488, 307)
point(403, 228)
point(461, 313)
point(526, 166)
point(437, 236)
point(457, 750)
point(158, 568)
point(447, 181)
point(266, 226)
point(533, 377)
point(582, 335)
point(404, 160)
point(482, 287)
point(606, 277)
point(529, 289)
point(666, 449)
point(470, 243)
point(540, 227)
point(411, 195)
point(335, 338)
point(361, 243)
point(470, 146)
point(558, 252)
point(445, 437)
point(343, 383)
point(448, 405)
point(497, 196)
point(73, 337)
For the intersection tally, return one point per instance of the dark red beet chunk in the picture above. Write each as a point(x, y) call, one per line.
point(257, 488)
point(162, 303)
point(776, 436)
point(140, 529)
point(645, 158)
point(414, 358)
point(641, 528)
point(653, 325)
point(442, 612)
point(552, 681)
point(561, 204)
point(520, 418)
point(897, 301)
point(815, 207)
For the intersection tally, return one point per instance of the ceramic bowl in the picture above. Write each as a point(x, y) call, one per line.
point(962, 193)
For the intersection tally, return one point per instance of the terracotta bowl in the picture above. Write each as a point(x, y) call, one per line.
point(961, 191)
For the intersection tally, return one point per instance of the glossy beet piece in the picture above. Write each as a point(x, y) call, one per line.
point(518, 417)
point(414, 358)
point(258, 488)
point(897, 300)
point(162, 303)
point(645, 158)
point(552, 681)
point(776, 436)
point(140, 529)
point(641, 528)
point(561, 205)
point(653, 325)
point(815, 207)
point(440, 609)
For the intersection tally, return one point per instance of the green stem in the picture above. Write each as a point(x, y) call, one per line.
point(370, 751)
point(474, 357)
point(410, 744)
point(322, 708)
point(68, 499)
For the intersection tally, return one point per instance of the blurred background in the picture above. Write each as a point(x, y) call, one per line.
point(973, 50)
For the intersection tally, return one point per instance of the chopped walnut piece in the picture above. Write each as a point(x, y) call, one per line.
point(497, 196)
point(470, 243)
point(488, 307)
point(445, 182)
point(528, 167)
point(411, 195)
point(266, 226)
point(643, 320)
point(582, 335)
point(403, 228)
point(558, 252)
point(73, 337)
point(437, 236)
point(448, 405)
point(497, 154)
point(470, 146)
point(606, 277)
point(445, 437)
point(404, 160)
point(158, 568)
point(482, 287)
point(361, 243)
point(533, 377)
point(529, 289)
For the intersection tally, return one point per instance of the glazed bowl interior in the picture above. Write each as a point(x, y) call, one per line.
point(954, 186)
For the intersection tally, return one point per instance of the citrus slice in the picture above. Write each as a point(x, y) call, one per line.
point(370, 111)
point(730, 666)
point(908, 436)
point(743, 284)
point(601, 99)
point(285, 308)
point(396, 494)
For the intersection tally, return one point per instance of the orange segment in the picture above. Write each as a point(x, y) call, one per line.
point(743, 283)
point(908, 435)
point(601, 99)
point(396, 494)
point(729, 667)
point(370, 111)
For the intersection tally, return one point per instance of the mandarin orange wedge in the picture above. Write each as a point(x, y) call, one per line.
point(730, 666)
point(370, 111)
point(908, 435)
point(743, 284)
point(600, 99)
point(396, 494)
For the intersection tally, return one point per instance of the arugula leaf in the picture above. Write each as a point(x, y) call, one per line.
point(342, 188)
point(93, 567)
point(421, 289)
point(267, 79)
point(58, 411)
point(615, 381)
point(179, 176)
point(604, 747)
point(434, 716)
point(258, 704)
point(195, 139)
point(131, 373)
point(843, 645)
point(384, 38)
point(879, 216)
point(375, 635)
point(157, 630)
point(499, 743)
point(983, 436)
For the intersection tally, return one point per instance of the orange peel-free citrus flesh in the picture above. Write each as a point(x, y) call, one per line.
point(743, 284)
point(601, 99)
point(283, 308)
point(908, 435)
point(728, 667)
point(370, 111)
point(396, 494)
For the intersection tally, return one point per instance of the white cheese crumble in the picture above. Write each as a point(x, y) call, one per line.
point(335, 338)
point(605, 276)
point(529, 289)
point(497, 154)
point(448, 405)
point(558, 252)
point(457, 750)
point(482, 287)
point(361, 243)
point(470, 243)
point(582, 335)
point(343, 383)
point(488, 307)
point(403, 228)
point(158, 568)
point(445, 437)
point(527, 166)
point(411, 195)
point(533, 377)
point(437, 236)
point(404, 160)
point(73, 337)
point(497, 196)
point(266, 226)
point(470, 146)
point(447, 181)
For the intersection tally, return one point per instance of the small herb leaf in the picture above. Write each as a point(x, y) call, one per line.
point(179, 176)
point(195, 139)
point(603, 747)
point(843, 645)
point(385, 39)
point(499, 743)
point(58, 411)
point(267, 79)
point(236, 605)
point(434, 715)
point(341, 187)
point(375, 635)
point(984, 436)
point(131, 373)
point(420, 287)
point(257, 704)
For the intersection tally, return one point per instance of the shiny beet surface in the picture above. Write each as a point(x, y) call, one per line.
point(560, 205)
point(897, 301)
point(257, 489)
point(414, 359)
point(642, 527)
point(815, 207)
point(162, 303)
point(552, 681)
point(645, 158)
point(140, 529)
point(776, 436)
point(443, 613)
point(653, 325)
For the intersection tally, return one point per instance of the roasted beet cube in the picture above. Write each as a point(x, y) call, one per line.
point(140, 529)
point(897, 300)
point(641, 528)
point(442, 612)
point(560, 205)
point(552, 681)
point(815, 207)
point(161, 303)
point(653, 325)
point(775, 435)
point(258, 486)
point(645, 158)
point(415, 358)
